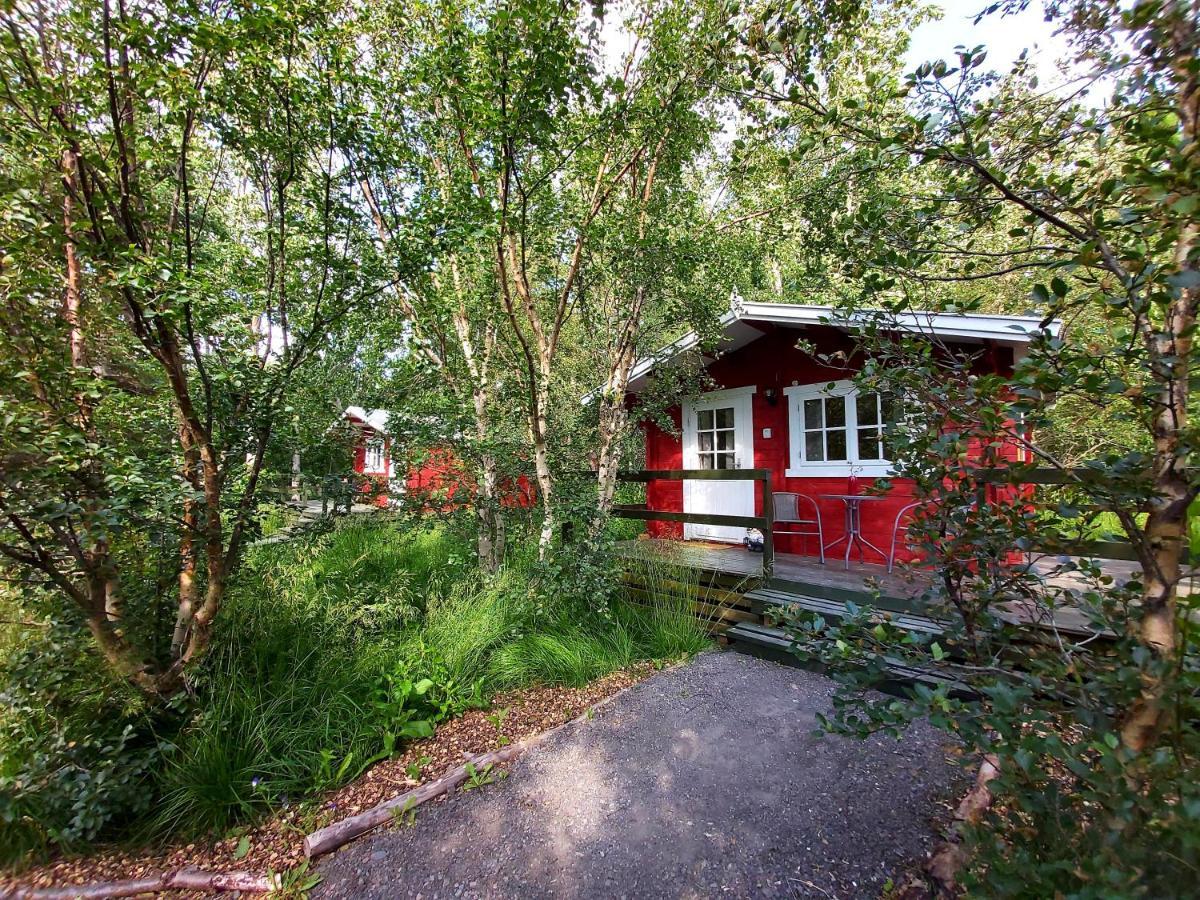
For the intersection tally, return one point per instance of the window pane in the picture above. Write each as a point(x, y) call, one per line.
point(868, 444)
point(812, 414)
point(868, 409)
point(891, 409)
point(835, 443)
point(725, 417)
point(725, 461)
point(706, 460)
point(814, 446)
point(725, 440)
point(835, 412)
point(706, 440)
point(705, 419)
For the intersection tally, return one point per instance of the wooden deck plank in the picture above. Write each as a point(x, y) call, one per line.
point(863, 583)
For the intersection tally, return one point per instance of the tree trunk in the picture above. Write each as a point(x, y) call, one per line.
point(491, 520)
point(1167, 523)
point(188, 588)
point(538, 427)
point(614, 418)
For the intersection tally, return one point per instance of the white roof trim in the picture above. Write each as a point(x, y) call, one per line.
point(375, 418)
point(1016, 331)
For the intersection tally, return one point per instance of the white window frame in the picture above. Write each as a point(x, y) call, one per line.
point(744, 429)
point(798, 467)
point(375, 457)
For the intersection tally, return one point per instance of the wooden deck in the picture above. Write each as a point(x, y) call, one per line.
point(804, 573)
point(731, 569)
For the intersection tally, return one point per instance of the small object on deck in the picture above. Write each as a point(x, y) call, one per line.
point(753, 540)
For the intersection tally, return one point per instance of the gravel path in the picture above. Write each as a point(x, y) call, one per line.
point(701, 781)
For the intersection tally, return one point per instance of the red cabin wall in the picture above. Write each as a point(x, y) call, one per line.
point(435, 480)
point(773, 361)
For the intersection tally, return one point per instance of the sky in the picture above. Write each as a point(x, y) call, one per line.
point(1004, 36)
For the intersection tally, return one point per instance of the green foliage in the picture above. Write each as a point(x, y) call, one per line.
point(357, 576)
point(337, 647)
point(273, 518)
point(78, 752)
point(662, 621)
point(316, 674)
point(1077, 811)
point(572, 658)
point(985, 190)
point(475, 617)
point(477, 778)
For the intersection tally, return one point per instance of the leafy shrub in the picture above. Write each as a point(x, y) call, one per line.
point(419, 693)
point(77, 751)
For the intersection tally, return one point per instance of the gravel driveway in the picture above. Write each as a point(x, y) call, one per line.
point(701, 781)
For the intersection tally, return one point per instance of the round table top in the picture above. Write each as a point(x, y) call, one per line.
point(853, 497)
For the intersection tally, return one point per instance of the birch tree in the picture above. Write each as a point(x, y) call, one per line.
point(177, 243)
point(530, 155)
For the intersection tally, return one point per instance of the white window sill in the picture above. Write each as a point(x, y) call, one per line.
point(839, 470)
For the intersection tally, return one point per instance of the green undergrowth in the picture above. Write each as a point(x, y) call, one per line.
point(334, 649)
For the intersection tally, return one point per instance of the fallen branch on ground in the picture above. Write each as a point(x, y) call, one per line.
point(947, 861)
point(172, 880)
point(333, 836)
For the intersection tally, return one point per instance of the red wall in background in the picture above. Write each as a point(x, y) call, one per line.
point(441, 476)
point(434, 481)
point(773, 361)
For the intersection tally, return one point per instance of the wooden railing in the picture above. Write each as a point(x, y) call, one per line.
point(762, 523)
point(1018, 475)
point(334, 491)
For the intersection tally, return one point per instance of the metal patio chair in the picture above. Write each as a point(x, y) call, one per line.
point(787, 511)
point(904, 510)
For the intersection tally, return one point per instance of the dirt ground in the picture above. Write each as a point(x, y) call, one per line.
point(701, 781)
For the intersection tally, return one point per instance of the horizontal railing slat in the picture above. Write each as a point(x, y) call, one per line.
point(654, 515)
point(647, 475)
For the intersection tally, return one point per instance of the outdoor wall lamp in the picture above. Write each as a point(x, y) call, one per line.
point(772, 396)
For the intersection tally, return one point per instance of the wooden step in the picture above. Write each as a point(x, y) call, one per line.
point(774, 643)
point(764, 599)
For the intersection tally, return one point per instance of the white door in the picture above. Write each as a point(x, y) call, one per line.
point(718, 433)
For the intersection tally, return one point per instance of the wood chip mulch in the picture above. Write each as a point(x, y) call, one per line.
point(275, 844)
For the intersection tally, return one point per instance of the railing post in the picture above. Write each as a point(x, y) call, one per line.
point(768, 502)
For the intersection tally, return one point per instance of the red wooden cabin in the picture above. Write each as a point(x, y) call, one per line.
point(779, 408)
point(372, 452)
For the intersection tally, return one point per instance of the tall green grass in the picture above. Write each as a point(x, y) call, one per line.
point(309, 674)
point(474, 617)
point(288, 691)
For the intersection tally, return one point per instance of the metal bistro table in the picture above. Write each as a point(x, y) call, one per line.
point(853, 504)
